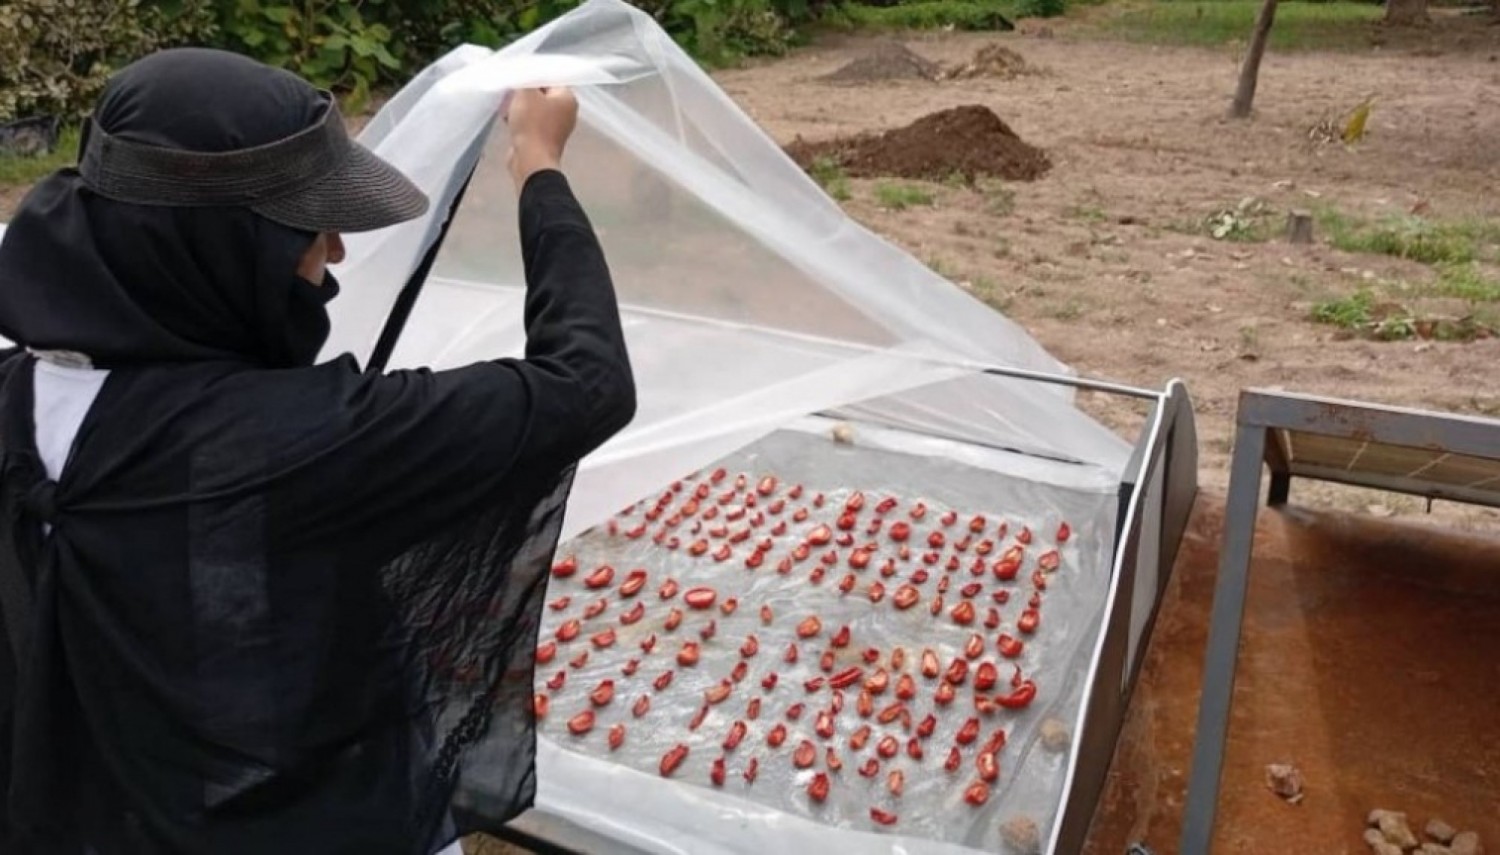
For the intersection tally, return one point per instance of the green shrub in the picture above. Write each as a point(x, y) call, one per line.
point(935, 14)
point(1041, 8)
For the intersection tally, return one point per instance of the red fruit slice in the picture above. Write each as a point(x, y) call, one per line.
point(968, 732)
point(750, 647)
point(776, 736)
point(668, 589)
point(635, 580)
point(944, 694)
point(794, 711)
point(928, 725)
point(565, 568)
point(847, 522)
point(539, 705)
point(1063, 533)
point(716, 772)
point(545, 652)
point(859, 559)
point(855, 503)
point(870, 769)
point(930, 666)
point(992, 618)
point(906, 687)
point(881, 817)
point(962, 543)
point(766, 615)
point(949, 518)
point(995, 742)
point(970, 590)
point(985, 677)
point(595, 609)
point(898, 658)
point(717, 694)
point(976, 524)
point(840, 638)
point(708, 630)
point(984, 547)
point(751, 770)
point(736, 734)
point(767, 485)
point(580, 660)
point(1009, 646)
point(820, 536)
point(1029, 620)
point(739, 672)
point(937, 606)
point(636, 612)
point(559, 604)
point(663, 680)
point(768, 682)
point(1049, 561)
point(752, 709)
point(824, 724)
point(616, 736)
point(957, 671)
point(900, 531)
point(832, 760)
point(648, 643)
point(954, 761)
point(672, 759)
point(977, 794)
point(914, 748)
point(817, 789)
point(556, 681)
point(674, 620)
point(858, 739)
point(813, 684)
point(718, 475)
point(886, 505)
point(918, 511)
point(582, 723)
point(641, 706)
point(816, 576)
point(809, 627)
point(723, 553)
point(891, 713)
point(838, 702)
point(569, 630)
point(963, 613)
point(1024, 535)
point(974, 646)
point(888, 569)
point(887, 747)
point(603, 639)
point(877, 592)
point(805, 755)
point(600, 578)
point(698, 547)
point(846, 678)
point(688, 655)
point(877, 682)
point(847, 583)
point(698, 718)
point(989, 768)
point(896, 782)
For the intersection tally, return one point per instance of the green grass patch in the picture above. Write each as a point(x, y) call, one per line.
point(899, 197)
point(1412, 237)
point(1299, 26)
point(1251, 221)
point(933, 14)
point(830, 176)
point(17, 170)
point(1466, 282)
point(1366, 315)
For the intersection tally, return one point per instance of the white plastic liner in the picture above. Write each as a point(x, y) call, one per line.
point(749, 297)
point(621, 794)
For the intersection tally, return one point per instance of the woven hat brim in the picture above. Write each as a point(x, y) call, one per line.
point(364, 194)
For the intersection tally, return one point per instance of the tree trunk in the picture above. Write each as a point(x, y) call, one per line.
point(1250, 72)
point(1405, 13)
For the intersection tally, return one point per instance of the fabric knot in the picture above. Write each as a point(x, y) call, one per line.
point(41, 501)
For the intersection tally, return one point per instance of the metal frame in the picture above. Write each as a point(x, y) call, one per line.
point(1158, 490)
point(1262, 418)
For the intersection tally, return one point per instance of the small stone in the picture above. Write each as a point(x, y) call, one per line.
point(1285, 780)
point(1054, 734)
point(1021, 835)
point(843, 433)
point(1434, 849)
point(1466, 843)
point(1393, 827)
point(1440, 831)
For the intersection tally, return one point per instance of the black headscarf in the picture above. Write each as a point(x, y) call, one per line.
point(126, 283)
point(282, 607)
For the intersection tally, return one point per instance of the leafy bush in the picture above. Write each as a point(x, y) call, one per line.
point(1041, 8)
point(984, 15)
point(56, 54)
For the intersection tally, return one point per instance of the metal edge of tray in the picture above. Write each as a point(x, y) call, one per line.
point(550, 834)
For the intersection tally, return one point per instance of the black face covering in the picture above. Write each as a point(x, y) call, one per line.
point(127, 283)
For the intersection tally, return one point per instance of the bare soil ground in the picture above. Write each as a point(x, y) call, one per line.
point(1097, 258)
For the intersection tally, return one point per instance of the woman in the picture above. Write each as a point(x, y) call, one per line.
point(253, 604)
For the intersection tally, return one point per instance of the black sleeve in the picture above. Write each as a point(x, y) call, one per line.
point(423, 446)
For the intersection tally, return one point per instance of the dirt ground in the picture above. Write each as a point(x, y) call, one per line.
point(1091, 258)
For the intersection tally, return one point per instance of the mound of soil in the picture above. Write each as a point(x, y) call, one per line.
point(886, 61)
point(970, 141)
point(996, 61)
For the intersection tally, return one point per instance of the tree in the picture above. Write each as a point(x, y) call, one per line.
point(1406, 13)
point(1244, 95)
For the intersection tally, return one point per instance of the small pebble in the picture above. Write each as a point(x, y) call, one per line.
point(1440, 831)
point(1393, 827)
point(843, 434)
point(1466, 843)
point(1434, 849)
point(1021, 835)
point(1285, 780)
point(1054, 735)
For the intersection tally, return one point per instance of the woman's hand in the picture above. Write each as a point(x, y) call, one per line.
point(540, 121)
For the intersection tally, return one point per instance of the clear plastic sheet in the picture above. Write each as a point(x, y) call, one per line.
point(583, 780)
point(749, 297)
